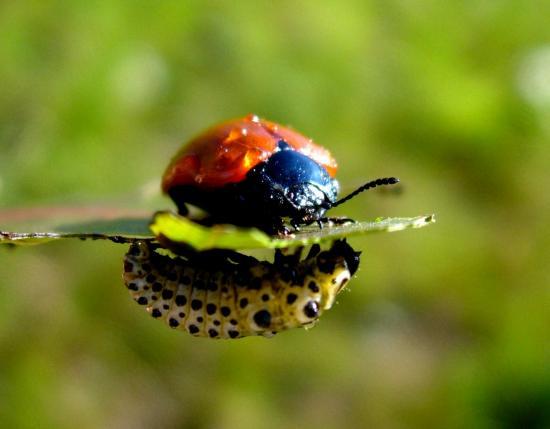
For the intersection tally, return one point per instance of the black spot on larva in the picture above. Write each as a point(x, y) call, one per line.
point(181, 300)
point(233, 322)
point(156, 313)
point(233, 334)
point(196, 304)
point(217, 323)
point(132, 286)
point(313, 286)
point(157, 287)
point(243, 302)
point(128, 266)
point(146, 267)
point(145, 287)
point(212, 333)
point(154, 297)
point(142, 300)
point(193, 329)
point(311, 309)
point(199, 285)
point(265, 297)
point(200, 319)
point(173, 323)
point(225, 290)
point(150, 278)
point(172, 275)
point(182, 315)
point(262, 318)
point(212, 287)
point(167, 294)
point(166, 306)
point(226, 311)
point(186, 280)
point(211, 309)
point(291, 297)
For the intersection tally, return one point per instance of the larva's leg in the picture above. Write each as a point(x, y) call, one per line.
point(314, 251)
point(290, 259)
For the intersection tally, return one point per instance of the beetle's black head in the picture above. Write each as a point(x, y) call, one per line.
point(293, 185)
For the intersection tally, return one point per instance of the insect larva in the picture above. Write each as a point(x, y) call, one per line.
point(224, 294)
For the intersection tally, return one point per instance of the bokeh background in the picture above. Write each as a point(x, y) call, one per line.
point(443, 327)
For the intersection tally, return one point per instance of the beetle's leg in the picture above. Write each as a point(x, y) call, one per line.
point(284, 231)
point(275, 227)
point(337, 220)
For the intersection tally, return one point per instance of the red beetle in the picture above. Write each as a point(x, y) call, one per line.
point(254, 172)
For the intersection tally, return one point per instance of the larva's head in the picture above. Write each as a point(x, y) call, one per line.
point(335, 266)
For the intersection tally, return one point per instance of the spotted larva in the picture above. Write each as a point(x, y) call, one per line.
point(224, 294)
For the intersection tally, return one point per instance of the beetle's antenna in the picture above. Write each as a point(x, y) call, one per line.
point(366, 186)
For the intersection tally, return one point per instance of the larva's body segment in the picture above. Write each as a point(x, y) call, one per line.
point(212, 296)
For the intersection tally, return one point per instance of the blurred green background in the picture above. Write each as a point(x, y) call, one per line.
point(443, 327)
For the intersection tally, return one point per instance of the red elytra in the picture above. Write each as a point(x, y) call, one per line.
point(227, 152)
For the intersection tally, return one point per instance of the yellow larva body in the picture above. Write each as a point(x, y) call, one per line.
point(216, 297)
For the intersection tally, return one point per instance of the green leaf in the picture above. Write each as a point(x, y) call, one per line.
point(39, 225)
point(180, 229)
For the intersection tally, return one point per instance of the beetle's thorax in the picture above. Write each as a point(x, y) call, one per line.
point(291, 184)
